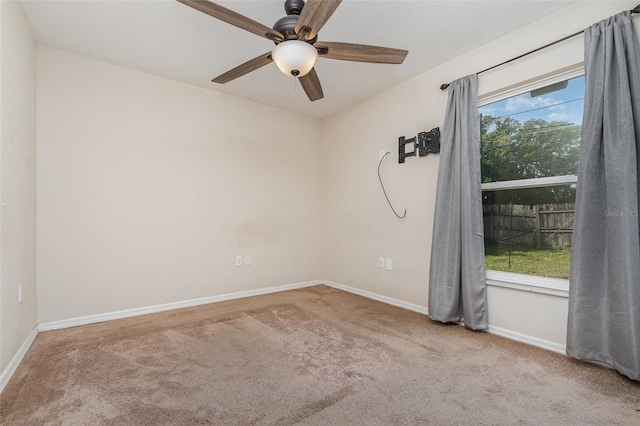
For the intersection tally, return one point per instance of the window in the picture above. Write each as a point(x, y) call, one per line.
point(529, 152)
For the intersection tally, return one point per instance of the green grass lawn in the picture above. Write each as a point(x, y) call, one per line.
point(546, 263)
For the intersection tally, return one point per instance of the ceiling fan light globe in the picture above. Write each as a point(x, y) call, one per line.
point(295, 57)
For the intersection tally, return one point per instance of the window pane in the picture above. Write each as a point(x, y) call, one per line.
point(533, 135)
point(528, 231)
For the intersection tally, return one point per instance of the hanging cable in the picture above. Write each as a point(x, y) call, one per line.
point(385, 192)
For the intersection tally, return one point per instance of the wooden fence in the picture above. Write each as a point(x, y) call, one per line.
point(543, 226)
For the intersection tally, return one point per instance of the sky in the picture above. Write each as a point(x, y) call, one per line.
point(562, 105)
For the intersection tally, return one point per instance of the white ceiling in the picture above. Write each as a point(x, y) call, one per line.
point(169, 39)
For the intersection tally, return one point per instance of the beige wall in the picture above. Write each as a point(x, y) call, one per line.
point(360, 227)
point(17, 180)
point(148, 189)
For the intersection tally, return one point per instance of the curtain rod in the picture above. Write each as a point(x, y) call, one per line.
point(446, 86)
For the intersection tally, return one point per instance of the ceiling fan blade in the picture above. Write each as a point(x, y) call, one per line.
point(361, 52)
point(314, 15)
point(243, 69)
point(233, 18)
point(311, 85)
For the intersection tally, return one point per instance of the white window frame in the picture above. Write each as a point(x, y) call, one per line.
point(524, 282)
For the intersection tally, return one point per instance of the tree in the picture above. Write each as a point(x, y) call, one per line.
point(535, 148)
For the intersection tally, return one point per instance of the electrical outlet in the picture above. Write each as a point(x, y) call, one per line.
point(389, 264)
point(19, 293)
point(238, 260)
point(247, 259)
point(381, 262)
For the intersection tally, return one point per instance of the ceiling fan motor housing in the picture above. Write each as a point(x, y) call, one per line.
point(287, 27)
point(287, 24)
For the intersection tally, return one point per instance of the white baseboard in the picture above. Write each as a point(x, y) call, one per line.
point(91, 319)
point(378, 297)
point(524, 338)
point(499, 331)
point(17, 359)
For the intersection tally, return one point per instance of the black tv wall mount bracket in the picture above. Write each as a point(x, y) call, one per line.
point(423, 144)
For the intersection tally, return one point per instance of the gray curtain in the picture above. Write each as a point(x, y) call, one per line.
point(604, 296)
point(457, 289)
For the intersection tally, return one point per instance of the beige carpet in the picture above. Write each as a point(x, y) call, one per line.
point(315, 356)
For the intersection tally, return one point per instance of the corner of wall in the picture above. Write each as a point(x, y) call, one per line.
point(17, 181)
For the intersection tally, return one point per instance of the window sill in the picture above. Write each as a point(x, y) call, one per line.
point(531, 283)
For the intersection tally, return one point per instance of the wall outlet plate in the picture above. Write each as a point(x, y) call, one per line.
point(238, 260)
point(381, 262)
point(389, 264)
point(247, 259)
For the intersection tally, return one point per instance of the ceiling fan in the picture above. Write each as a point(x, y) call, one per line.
point(296, 39)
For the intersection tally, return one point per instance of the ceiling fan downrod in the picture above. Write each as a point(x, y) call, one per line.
point(293, 7)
